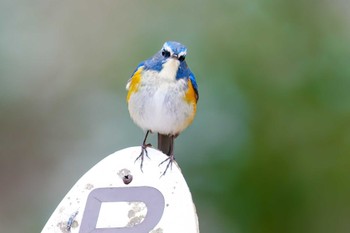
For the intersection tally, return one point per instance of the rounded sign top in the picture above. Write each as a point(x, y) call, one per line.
point(117, 196)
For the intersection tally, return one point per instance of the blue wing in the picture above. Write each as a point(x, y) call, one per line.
point(185, 72)
point(194, 84)
point(141, 64)
point(129, 81)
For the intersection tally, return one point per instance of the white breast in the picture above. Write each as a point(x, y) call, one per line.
point(159, 103)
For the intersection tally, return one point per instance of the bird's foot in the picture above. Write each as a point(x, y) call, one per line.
point(170, 160)
point(143, 153)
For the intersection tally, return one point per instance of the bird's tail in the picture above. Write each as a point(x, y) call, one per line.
point(165, 143)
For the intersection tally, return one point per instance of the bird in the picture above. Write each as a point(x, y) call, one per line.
point(162, 96)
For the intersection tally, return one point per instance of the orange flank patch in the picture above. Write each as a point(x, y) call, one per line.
point(190, 95)
point(134, 83)
point(191, 98)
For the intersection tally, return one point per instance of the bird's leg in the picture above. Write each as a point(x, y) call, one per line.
point(143, 150)
point(171, 157)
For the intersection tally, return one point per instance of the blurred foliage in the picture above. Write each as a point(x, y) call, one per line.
point(273, 114)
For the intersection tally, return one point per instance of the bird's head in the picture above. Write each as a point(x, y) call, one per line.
point(172, 49)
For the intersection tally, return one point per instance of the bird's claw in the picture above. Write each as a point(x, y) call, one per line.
point(170, 160)
point(143, 153)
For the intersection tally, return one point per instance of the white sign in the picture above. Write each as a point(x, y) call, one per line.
point(115, 196)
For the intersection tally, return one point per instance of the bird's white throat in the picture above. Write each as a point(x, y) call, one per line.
point(170, 68)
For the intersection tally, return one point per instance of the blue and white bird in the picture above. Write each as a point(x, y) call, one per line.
point(162, 97)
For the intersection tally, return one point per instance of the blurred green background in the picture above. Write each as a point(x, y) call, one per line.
point(269, 150)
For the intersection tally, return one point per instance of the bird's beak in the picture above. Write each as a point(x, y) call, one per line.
point(175, 56)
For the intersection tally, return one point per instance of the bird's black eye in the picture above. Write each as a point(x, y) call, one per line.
point(182, 58)
point(165, 53)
